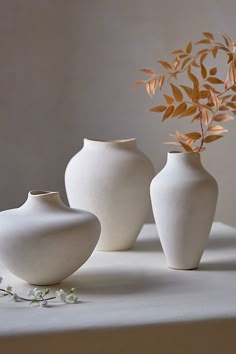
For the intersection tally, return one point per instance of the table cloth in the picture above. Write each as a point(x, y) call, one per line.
point(131, 303)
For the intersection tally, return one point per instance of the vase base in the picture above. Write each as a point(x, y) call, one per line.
point(183, 268)
point(120, 249)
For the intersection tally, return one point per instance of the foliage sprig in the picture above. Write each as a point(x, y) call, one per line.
point(37, 296)
point(207, 99)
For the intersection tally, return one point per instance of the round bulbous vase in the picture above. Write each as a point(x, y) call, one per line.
point(112, 180)
point(44, 241)
point(184, 197)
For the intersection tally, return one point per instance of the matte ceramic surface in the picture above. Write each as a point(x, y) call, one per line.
point(112, 180)
point(184, 197)
point(44, 241)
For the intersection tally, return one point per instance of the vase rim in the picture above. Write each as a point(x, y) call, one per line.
point(115, 141)
point(183, 153)
point(40, 193)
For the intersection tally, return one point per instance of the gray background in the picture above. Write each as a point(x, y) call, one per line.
point(66, 72)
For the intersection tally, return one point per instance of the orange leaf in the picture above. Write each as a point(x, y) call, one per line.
point(207, 107)
point(176, 63)
point(214, 51)
point(222, 118)
point(203, 57)
point(196, 118)
point(189, 48)
point(193, 78)
point(180, 136)
point(168, 113)
point(189, 112)
point(214, 98)
point(230, 55)
point(217, 129)
point(177, 93)
point(148, 71)
point(231, 105)
point(214, 80)
point(225, 108)
point(203, 41)
point(158, 109)
point(185, 62)
point(139, 82)
point(165, 64)
point(203, 94)
point(213, 71)
point(194, 135)
point(226, 40)
point(153, 85)
point(148, 89)
point(203, 71)
point(225, 97)
point(194, 63)
point(180, 109)
point(206, 117)
point(202, 51)
point(209, 36)
point(232, 73)
point(161, 81)
point(190, 141)
point(186, 147)
point(169, 100)
point(188, 91)
point(211, 138)
point(177, 51)
point(196, 94)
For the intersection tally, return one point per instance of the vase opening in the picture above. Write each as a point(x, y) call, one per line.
point(183, 152)
point(112, 141)
point(184, 157)
point(120, 143)
point(41, 192)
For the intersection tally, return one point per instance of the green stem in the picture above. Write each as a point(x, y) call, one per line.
point(25, 299)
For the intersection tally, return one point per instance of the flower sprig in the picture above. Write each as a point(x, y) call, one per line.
point(207, 99)
point(41, 297)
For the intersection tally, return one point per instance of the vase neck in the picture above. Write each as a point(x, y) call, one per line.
point(39, 199)
point(102, 144)
point(191, 159)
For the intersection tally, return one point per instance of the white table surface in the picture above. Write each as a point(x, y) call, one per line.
point(132, 303)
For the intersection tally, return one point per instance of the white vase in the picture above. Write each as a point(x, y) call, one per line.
point(44, 241)
point(184, 197)
point(112, 180)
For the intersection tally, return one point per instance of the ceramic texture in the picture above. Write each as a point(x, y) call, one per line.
point(112, 180)
point(44, 241)
point(184, 197)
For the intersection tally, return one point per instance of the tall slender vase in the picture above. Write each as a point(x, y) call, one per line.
point(112, 180)
point(184, 197)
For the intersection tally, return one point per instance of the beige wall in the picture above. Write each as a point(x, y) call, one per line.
point(66, 71)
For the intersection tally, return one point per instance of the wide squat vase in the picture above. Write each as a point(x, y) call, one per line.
point(44, 241)
point(184, 197)
point(112, 180)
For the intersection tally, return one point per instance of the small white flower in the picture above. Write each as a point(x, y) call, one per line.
point(38, 293)
point(30, 292)
point(9, 288)
point(71, 299)
point(0, 280)
point(43, 303)
point(60, 295)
